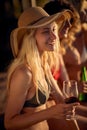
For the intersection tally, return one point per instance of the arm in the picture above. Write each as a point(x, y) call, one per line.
point(15, 120)
point(82, 108)
point(82, 119)
point(19, 86)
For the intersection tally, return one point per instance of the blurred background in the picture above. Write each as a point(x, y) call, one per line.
point(10, 10)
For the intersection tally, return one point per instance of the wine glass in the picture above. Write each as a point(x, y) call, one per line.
point(70, 92)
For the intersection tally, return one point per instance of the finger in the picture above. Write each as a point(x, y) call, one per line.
point(69, 109)
point(70, 112)
point(71, 105)
point(74, 104)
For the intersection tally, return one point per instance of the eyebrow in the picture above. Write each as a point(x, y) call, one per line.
point(46, 28)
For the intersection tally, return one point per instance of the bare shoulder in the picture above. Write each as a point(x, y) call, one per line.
point(22, 76)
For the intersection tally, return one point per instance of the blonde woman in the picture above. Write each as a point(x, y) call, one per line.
point(30, 81)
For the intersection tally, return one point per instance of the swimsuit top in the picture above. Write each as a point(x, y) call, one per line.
point(41, 96)
point(33, 101)
point(57, 74)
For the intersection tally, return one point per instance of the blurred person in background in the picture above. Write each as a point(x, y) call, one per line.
point(80, 37)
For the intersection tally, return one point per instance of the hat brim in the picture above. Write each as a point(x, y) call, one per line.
point(59, 17)
point(18, 33)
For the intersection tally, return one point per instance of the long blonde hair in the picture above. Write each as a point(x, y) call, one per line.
point(29, 49)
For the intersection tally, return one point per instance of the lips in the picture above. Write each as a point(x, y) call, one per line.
point(51, 43)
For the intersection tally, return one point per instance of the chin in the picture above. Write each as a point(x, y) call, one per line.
point(52, 49)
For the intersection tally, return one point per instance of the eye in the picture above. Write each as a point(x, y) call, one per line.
point(46, 31)
point(54, 29)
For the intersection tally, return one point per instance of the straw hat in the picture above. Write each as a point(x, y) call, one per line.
point(34, 17)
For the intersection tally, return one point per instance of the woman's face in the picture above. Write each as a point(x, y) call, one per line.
point(46, 37)
point(63, 33)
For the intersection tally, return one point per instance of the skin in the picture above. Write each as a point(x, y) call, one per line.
point(81, 112)
point(22, 88)
point(64, 31)
point(46, 38)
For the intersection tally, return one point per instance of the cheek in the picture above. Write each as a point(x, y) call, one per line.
point(40, 43)
point(40, 40)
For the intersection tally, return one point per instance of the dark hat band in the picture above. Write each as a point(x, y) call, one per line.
point(36, 21)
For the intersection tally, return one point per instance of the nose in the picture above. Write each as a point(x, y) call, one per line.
point(52, 35)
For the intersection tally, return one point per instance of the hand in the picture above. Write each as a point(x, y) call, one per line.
point(61, 110)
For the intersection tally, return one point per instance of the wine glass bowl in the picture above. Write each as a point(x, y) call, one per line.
point(70, 91)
